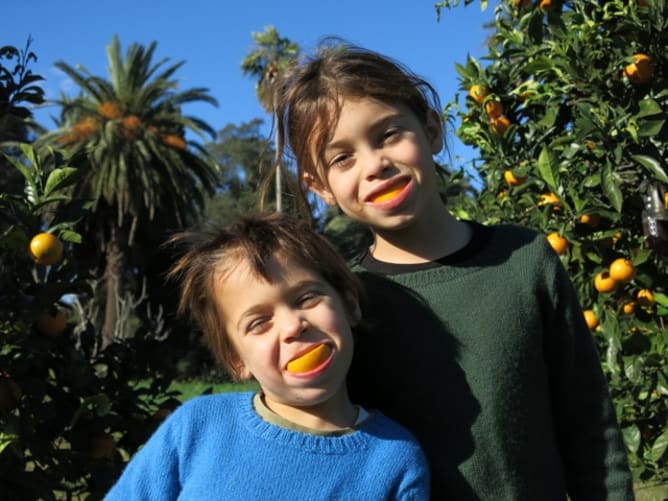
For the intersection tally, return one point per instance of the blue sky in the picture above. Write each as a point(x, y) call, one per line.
point(213, 36)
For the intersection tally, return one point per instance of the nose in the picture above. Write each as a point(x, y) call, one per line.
point(292, 324)
point(375, 162)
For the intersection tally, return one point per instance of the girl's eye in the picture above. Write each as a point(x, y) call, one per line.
point(340, 161)
point(258, 325)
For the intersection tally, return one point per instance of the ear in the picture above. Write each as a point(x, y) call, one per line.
point(353, 311)
point(240, 372)
point(316, 186)
point(434, 130)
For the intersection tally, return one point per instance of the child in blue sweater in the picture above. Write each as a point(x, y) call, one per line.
point(276, 303)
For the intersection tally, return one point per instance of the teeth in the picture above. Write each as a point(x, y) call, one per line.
point(309, 360)
point(384, 196)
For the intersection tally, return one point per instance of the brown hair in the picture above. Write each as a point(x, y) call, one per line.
point(309, 101)
point(254, 239)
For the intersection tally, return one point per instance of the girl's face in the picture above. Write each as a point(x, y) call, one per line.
point(272, 324)
point(378, 166)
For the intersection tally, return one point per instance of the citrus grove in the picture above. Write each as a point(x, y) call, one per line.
point(568, 116)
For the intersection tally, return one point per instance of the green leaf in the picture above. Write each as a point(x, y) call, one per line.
point(648, 107)
point(545, 168)
point(659, 447)
point(632, 437)
point(70, 236)
point(652, 165)
point(649, 128)
point(60, 178)
point(610, 185)
point(25, 172)
point(7, 439)
point(661, 298)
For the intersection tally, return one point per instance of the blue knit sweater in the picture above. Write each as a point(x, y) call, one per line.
point(217, 447)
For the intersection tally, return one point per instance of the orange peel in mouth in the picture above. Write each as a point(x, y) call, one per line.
point(310, 360)
point(389, 194)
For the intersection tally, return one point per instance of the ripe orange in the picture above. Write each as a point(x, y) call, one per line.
point(52, 323)
point(46, 249)
point(641, 70)
point(591, 319)
point(558, 243)
point(603, 282)
point(500, 125)
point(493, 108)
point(645, 297)
point(622, 270)
point(512, 179)
point(628, 308)
point(549, 199)
point(478, 92)
point(589, 219)
point(547, 4)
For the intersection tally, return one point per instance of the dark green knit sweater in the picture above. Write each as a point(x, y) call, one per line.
point(486, 358)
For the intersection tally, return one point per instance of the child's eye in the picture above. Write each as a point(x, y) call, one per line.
point(309, 299)
point(390, 134)
point(339, 161)
point(258, 325)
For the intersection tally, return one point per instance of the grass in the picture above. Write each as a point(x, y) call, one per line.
point(190, 389)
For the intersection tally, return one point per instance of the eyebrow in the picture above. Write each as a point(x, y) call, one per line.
point(377, 124)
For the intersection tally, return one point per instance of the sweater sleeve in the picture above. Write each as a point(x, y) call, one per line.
point(153, 472)
point(591, 444)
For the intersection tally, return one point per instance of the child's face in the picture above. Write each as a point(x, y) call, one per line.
point(272, 324)
point(378, 165)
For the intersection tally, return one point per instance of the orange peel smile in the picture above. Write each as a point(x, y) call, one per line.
point(310, 360)
point(389, 194)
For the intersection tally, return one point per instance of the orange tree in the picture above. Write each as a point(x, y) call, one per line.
point(569, 118)
point(69, 414)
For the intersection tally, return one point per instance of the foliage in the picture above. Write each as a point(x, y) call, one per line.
point(69, 415)
point(575, 125)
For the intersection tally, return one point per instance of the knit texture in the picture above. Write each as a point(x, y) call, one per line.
point(217, 447)
point(488, 361)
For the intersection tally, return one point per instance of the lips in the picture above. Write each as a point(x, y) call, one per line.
point(390, 192)
point(310, 360)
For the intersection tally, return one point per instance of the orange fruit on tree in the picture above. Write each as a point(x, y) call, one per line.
point(558, 243)
point(52, 323)
point(645, 297)
point(109, 110)
point(641, 70)
point(628, 308)
point(500, 125)
point(589, 219)
point(603, 282)
point(46, 249)
point(622, 270)
point(478, 92)
point(493, 108)
point(590, 318)
point(512, 179)
point(549, 199)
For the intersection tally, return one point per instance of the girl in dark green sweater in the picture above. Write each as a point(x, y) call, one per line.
point(476, 340)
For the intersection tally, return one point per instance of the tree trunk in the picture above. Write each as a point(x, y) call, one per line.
point(112, 275)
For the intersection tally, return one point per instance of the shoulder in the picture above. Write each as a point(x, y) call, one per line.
point(384, 428)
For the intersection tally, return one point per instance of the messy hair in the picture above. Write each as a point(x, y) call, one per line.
point(210, 254)
point(310, 95)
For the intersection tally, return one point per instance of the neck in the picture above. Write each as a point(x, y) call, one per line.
point(427, 239)
point(331, 415)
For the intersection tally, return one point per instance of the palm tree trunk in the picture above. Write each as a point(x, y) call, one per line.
point(112, 275)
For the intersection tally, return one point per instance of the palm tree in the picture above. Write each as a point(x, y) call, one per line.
point(269, 58)
point(127, 136)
